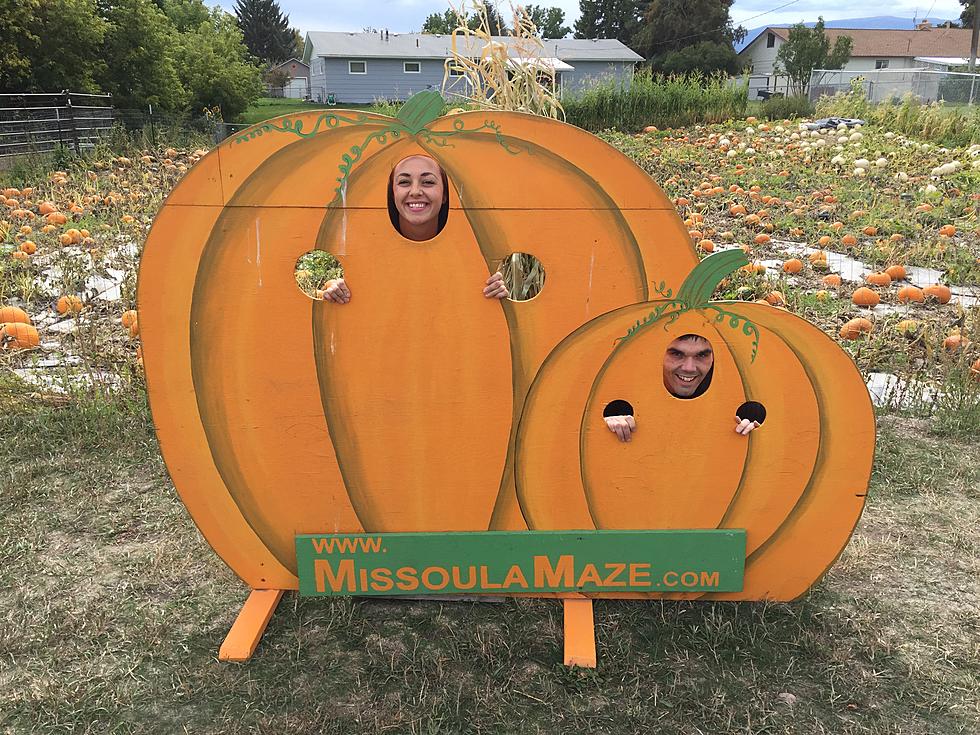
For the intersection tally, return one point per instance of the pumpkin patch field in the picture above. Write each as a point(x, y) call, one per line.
point(113, 605)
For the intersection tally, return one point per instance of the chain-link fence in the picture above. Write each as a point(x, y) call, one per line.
point(883, 85)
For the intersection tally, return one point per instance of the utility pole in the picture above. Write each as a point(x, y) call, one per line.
point(975, 36)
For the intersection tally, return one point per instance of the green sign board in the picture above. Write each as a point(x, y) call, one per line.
point(508, 562)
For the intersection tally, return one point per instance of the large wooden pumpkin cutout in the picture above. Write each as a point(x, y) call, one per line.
point(412, 409)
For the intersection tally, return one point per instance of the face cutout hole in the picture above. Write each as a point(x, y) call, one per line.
point(418, 198)
point(618, 407)
point(753, 411)
point(688, 366)
point(523, 275)
point(316, 271)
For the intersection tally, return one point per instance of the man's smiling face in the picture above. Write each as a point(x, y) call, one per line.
point(687, 362)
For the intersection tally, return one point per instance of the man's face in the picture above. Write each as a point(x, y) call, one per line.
point(686, 364)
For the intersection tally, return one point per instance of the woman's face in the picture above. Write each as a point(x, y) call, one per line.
point(419, 194)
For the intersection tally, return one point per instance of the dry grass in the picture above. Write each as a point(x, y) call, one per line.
point(113, 608)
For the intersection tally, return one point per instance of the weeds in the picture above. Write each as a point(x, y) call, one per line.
point(646, 99)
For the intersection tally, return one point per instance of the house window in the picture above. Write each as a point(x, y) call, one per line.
point(357, 67)
point(455, 71)
point(413, 67)
point(881, 63)
point(770, 40)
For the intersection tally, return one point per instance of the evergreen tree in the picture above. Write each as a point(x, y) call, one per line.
point(265, 29)
point(619, 19)
point(969, 10)
point(676, 33)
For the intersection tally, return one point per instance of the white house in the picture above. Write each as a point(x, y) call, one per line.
point(872, 50)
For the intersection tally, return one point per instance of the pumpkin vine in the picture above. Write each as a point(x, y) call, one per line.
point(695, 295)
point(412, 119)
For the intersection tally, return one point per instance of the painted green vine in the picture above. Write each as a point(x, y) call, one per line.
point(412, 119)
point(695, 295)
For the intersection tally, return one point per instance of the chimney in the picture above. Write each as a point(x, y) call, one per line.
point(925, 25)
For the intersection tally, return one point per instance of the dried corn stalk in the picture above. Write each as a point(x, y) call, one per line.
point(499, 76)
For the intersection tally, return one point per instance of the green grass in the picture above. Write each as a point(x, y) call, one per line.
point(114, 607)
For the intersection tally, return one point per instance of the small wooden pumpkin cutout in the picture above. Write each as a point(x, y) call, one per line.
point(797, 485)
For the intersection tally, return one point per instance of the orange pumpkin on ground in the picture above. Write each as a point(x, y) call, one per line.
point(856, 328)
point(865, 297)
point(896, 272)
point(68, 305)
point(793, 265)
point(878, 279)
point(831, 279)
point(939, 292)
point(13, 314)
point(17, 335)
point(910, 293)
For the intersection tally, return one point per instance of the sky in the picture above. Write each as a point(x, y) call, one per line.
point(403, 16)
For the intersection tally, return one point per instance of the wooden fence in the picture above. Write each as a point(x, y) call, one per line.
point(39, 123)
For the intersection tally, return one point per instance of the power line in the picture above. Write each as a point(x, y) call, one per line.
point(786, 5)
point(725, 28)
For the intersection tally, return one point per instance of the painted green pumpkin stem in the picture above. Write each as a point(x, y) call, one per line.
point(420, 110)
point(695, 293)
point(704, 279)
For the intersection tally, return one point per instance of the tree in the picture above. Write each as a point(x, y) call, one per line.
point(969, 9)
point(550, 22)
point(139, 49)
point(706, 56)
point(673, 29)
point(50, 45)
point(215, 68)
point(496, 23)
point(440, 23)
point(619, 19)
point(448, 21)
point(808, 49)
point(265, 29)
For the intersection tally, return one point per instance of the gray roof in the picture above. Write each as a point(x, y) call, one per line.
point(430, 46)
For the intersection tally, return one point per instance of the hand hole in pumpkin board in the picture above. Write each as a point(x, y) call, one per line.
point(689, 363)
point(753, 411)
point(524, 276)
point(617, 407)
point(315, 271)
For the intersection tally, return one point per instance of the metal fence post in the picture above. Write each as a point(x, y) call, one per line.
point(153, 135)
point(71, 121)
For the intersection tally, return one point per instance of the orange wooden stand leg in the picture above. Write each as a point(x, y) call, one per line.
point(244, 636)
point(579, 633)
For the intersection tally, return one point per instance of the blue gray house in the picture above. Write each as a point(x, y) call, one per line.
point(363, 67)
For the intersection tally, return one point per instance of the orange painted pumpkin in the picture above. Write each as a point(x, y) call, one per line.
point(797, 485)
point(338, 419)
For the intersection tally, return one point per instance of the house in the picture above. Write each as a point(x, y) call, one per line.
point(875, 54)
point(298, 84)
point(363, 67)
